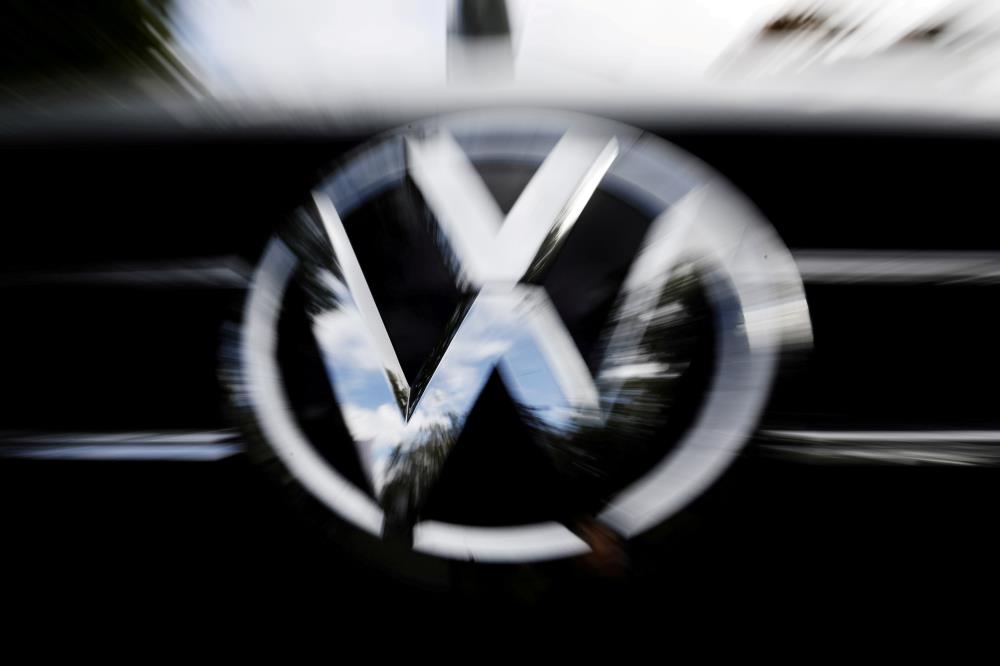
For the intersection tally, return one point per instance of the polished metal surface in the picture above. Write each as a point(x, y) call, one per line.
point(816, 266)
point(700, 233)
point(884, 447)
point(899, 267)
point(227, 272)
point(178, 445)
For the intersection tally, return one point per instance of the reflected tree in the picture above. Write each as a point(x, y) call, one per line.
point(84, 49)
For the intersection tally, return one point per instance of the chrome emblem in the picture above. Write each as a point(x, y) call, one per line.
point(699, 230)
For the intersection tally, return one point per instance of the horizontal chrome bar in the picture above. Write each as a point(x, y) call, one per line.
point(202, 446)
point(895, 447)
point(206, 273)
point(815, 266)
point(888, 267)
point(892, 447)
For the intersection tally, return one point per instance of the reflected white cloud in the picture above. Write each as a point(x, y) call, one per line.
point(706, 256)
point(404, 430)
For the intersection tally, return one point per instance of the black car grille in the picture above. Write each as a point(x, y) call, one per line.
point(126, 259)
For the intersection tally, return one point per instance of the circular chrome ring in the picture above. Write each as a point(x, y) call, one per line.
point(753, 288)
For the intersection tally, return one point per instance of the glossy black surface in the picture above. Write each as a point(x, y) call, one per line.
point(126, 357)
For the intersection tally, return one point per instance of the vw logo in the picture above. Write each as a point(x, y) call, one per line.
point(534, 280)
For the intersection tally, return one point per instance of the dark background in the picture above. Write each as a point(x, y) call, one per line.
point(220, 537)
